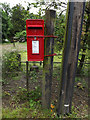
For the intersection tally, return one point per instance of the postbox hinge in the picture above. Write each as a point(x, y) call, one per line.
point(51, 36)
point(50, 55)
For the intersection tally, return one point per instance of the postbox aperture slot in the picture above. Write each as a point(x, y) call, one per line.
point(34, 27)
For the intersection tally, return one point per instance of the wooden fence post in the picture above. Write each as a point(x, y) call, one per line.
point(27, 75)
point(70, 55)
point(66, 49)
point(48, 61)
point(74, 52)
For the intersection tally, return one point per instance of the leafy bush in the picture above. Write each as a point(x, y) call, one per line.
point(10, 63)
point(21, 34)
point(33, 96)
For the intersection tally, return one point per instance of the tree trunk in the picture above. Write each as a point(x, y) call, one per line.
point(48, 61)
point(87, 26)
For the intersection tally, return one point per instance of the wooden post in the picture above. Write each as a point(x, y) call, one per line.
point(70, 55)
point(66, 49)
point(27, 75)
point(48, 61)
point(74, 52)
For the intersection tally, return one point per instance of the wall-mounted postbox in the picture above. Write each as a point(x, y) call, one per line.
point(35, 39)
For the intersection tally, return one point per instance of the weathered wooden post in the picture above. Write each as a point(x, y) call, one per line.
point(27, 75)
point(75, 13)
point(78, 15)
point(48, 60)
point(66, 49)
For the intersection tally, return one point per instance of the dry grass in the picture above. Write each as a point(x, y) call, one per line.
point(10, 47)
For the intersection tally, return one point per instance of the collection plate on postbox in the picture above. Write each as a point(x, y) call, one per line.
point(35, 39)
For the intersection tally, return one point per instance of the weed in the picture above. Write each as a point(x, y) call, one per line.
point(35, 94)
point(82, 82)
point(16, 77)
point(77, 79)
point(22, 94)
point(28, 109)
point(33, 76)
point(32, 104)
point(10, 65)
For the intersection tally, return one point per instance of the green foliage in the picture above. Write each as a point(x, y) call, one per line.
point(87, 23)
point(56, 73)
point(6, 8)
point(59, 31)
point(21, 34)
point(26, 112)
point(18, 18)
point(33, 76)
point(85, 38)
point(81, 83)
point(6, 22)
point(21, 95)
point(16, 113)
point(44, 5)
point(33, 96)
point(14, 20)
point(78, 79)
point(10, 63)
point(85, 41)
point(73, 114)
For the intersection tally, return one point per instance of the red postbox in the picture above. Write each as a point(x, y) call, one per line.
point(35, 39)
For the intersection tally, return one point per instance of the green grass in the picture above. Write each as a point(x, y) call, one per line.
point(34, 110)
point(22, 112)
point(16, 77)
point(23, 56)
point(31, 108)
point(16, 113)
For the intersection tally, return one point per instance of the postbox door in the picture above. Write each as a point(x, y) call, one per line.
point(35, 50)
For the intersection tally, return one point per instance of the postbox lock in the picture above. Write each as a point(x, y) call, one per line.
point(35, 38)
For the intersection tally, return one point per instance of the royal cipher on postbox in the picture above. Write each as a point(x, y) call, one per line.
point(35, 39)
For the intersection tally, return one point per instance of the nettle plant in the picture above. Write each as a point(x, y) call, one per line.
point(10, 63)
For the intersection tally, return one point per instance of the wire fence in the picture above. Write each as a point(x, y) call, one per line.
point(55, 63)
